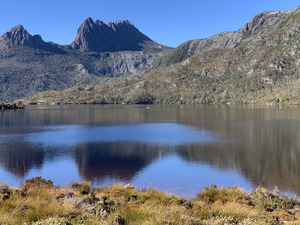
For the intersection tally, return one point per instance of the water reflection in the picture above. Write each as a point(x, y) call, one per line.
point(19, 158)
point(159, 133)
point(117, 160)
point(168, 146)
point(265, 155)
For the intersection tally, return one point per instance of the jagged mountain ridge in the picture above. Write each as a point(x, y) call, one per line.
point(120, 36)
point(91, 36)
point(264, 67)
point(29, 65)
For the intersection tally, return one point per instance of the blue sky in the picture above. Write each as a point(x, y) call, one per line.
point(164, 21)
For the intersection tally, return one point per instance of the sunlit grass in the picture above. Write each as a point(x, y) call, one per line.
point(39, 202)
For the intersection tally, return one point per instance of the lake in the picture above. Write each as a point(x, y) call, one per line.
point(177, 149)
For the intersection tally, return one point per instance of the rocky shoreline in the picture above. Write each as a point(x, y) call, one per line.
point(11, 105)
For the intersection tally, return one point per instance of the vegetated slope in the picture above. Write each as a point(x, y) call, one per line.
point(263, 67)
point(29, 65)
point(225, 40)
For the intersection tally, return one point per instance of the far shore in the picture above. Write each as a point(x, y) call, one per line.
point(11, 105)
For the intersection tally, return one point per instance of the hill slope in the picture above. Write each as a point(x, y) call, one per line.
point(29, 65)
point(262, 66)
point(258, 25)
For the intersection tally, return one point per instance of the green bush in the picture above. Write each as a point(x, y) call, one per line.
point(38, 181)
point(84, 187)
point(232, 194)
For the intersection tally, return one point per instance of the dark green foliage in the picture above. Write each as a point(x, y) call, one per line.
point(5, 192)
point(232, 194)
point(84, 187)
point(247, 34)
point(14, 105)
point(38, 181)
point(177, 55)
point(120, 220)
point(143, 97)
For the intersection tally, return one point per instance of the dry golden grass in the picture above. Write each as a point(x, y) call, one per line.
point(39, 202)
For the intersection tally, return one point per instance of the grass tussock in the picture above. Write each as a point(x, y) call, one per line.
point(39, 202)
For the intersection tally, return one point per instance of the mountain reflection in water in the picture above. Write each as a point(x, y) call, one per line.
point(165, 146)
point(119, 160)
point(160, 133)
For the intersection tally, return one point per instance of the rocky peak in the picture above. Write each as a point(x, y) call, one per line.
point(124, 22)
point(88, 23)
point(17, 36)
point(20, 37)
point(127, 22)
point(99, 22)
point(19, 28)
point(128, 28)
point(264, 20)
point(111, 37)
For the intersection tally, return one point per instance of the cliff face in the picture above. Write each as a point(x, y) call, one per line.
point(112, 37)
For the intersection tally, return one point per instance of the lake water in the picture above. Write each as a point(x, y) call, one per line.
point(177, 149)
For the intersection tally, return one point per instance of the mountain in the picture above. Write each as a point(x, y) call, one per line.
point(100, 53)
point(112, 37)
point(258, 25)
point(259, 63)
point(19, 37)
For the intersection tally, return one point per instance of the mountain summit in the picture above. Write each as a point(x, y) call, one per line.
point(112, 37)
point(20, 37)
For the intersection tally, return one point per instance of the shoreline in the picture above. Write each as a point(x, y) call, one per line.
point(11, 105)
point(38, 201)
point(286, 103)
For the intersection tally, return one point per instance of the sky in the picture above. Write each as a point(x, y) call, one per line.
point(168, 22)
